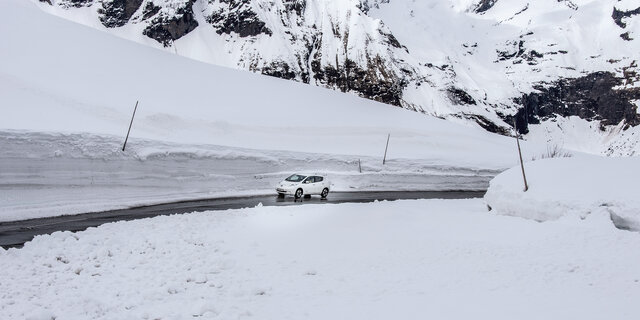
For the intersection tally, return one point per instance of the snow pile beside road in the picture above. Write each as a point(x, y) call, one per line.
point(421, 259)
point(570, 187)
point(49, 174)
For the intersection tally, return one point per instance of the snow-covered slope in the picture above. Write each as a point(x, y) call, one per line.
point(472, 61)
point(60, 76)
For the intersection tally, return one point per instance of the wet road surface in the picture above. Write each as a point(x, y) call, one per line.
point(14, 234)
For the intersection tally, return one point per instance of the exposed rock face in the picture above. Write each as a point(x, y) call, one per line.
point(326, 50)
point(150, 10)
point(518, 53)
point(280, 69)
point(237, 16)
point(116, 13)
point(625, 36)
point(619, 16)
point(166, 28)
point(385, 88)
point(72, 3)
point(484, 5)
point(592, 97)
point(459, 96)
point(486, 123)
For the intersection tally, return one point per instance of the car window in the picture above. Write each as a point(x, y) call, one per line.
point(295, 178)
point(319, 179)
point(308, 180)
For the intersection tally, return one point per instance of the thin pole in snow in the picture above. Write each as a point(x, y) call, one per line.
point(524, 177)
point(359, 166)
point(384, 160)
point(130, 124)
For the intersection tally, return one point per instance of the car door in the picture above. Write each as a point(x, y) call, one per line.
point(308, 185)
point(313, 185)
point(318, 185)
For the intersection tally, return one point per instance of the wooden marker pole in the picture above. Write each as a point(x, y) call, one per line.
point(130, 124)
point(524, 177)
point(384, 160)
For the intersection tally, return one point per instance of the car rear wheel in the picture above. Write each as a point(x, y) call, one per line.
point(298, 193)
point(325, 193)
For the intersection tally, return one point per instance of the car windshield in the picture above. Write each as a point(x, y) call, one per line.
point(295, 178)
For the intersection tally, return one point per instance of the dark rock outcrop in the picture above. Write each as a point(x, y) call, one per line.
point(517, 50)
point(519, 53)
point(116, 13)
point(297, 6)
point(238, 17)
point(619, 15)
point(79, 3)
point(166, 29)
point(279, 69)
point(349, 77)
point(150, 10)
point(486, 124)
point(484, 5)
point(592, 97)
point(460, 97)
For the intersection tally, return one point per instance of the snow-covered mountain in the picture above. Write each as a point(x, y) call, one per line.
point(565, 71)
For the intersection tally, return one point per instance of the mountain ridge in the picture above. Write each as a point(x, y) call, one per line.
point(488, 63)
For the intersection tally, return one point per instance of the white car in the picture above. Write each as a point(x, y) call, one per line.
point(299, 185)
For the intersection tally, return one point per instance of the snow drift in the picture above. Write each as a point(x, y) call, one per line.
point(423, 259)
point(571, 187)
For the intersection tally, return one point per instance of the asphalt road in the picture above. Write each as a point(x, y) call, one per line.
point(14, 234)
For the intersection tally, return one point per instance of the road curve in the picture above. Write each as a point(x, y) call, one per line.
point(14, 234)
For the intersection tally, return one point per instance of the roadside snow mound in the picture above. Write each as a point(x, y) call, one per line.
point(409, 260)
point(571, 187)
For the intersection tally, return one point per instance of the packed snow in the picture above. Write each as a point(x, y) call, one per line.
point(443, 259)
point(568, 188)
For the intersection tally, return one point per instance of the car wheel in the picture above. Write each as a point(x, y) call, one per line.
point(325, 193)
point(298, 193)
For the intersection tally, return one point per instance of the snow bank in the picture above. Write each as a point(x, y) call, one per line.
point(425, 259)
point(564, 187)
point(49, 174)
